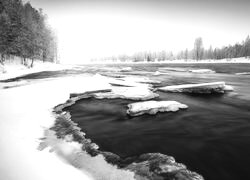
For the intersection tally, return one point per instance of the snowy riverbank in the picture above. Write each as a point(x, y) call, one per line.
point(26, 113)
point(23, 121)
point(14, 68)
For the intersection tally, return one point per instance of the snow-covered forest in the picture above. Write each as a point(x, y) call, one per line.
point(25, 33)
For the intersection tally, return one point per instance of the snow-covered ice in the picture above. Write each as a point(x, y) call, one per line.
point(126, 69)
point(133, 93)
point(152, 107)
point(139, 79)
point(214, 87)
point(201, 71)
point(186, 70)
point(243, 73)
point(157, 73)
point(173, 69)
point(128, 83)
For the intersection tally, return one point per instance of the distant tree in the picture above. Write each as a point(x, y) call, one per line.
point(186, 54)
point(149, 58)
point(198, 52)
point(247, 47)
point(180, 55)
point(162, 55)
point(198, 49)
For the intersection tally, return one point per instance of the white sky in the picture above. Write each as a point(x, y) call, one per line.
point(88, 29)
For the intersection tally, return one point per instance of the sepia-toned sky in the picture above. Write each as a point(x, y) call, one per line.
point(95, 28)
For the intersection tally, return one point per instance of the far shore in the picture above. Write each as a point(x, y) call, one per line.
point(182, 61)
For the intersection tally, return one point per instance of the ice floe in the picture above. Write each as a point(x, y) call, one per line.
point(186, 70)
point(243, 73)
point(131, 81)
point(128, 83)
point(206, 88)
point(152, 107)
point(174, 69)
point(126, 69)
point(139, 79)
point(133, 93)
point(157, 73)
point(201, 71)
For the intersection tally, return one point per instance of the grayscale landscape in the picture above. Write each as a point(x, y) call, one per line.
point(124, 90)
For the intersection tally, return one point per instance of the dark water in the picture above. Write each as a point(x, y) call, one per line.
point(211, 137)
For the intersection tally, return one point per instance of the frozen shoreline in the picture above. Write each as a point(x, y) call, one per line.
point(14, 69)
point(22, 124)
point(24, 121)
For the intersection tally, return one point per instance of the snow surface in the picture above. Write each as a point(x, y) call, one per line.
point(199, 88)
point(25, 114)
point(152, 107)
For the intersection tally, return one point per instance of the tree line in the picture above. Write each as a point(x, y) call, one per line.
point(198, 53)
point(25, 33)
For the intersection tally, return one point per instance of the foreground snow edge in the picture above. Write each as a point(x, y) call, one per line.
point(163, 165)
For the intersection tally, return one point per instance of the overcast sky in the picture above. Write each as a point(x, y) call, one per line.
point(92, 28)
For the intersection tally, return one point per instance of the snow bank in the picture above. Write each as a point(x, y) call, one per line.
point(75, 154)
point(2, 69)
point(133, 93)
point(206, 88)
point(13, 84)
point(14, 69)
point(24, 117)
point(152, 107)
